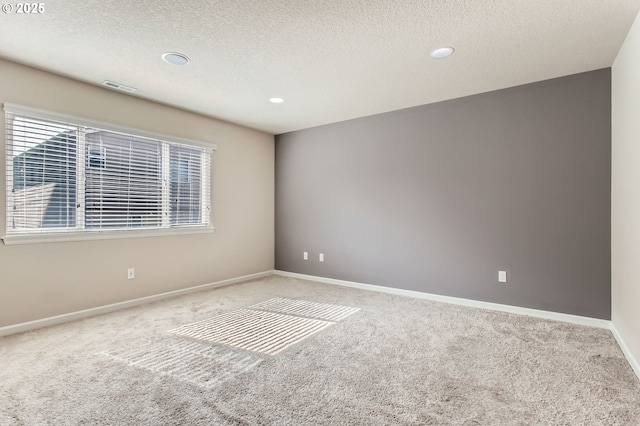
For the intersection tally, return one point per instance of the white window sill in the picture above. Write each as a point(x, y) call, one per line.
point(57, 237)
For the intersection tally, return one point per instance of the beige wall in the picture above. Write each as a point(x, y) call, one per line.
point(42, 280)
point(625, 192)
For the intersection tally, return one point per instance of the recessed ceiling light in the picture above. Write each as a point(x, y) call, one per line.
point(175, 58)
point(276, 100)
point(442, 52)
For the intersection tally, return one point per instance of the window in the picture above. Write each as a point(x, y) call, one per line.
point(67, 175)
point(185, 165)
point(97, 156)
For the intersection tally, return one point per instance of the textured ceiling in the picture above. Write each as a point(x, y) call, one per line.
point(331, 60)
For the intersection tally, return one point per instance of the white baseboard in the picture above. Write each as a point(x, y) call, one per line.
point(635, 365)
point(59, 319)
point(556, 316)
point(574, 319)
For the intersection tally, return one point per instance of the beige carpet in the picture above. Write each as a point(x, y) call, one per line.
point(396, 361)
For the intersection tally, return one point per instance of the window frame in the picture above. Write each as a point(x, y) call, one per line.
point(79, 232)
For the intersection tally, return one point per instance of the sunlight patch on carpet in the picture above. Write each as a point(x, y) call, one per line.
point(259, 331)
point(199, 364)
point(322, 311)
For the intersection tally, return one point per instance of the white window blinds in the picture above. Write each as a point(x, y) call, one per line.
point(67, 175)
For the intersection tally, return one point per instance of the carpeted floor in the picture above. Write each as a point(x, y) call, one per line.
point(396, 361)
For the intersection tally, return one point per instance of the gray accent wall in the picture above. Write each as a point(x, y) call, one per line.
point(439, 198)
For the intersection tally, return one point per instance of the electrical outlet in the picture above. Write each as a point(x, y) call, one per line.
point(131, 273)
point(305, 255)
point(502, 276)
point(321, 257)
